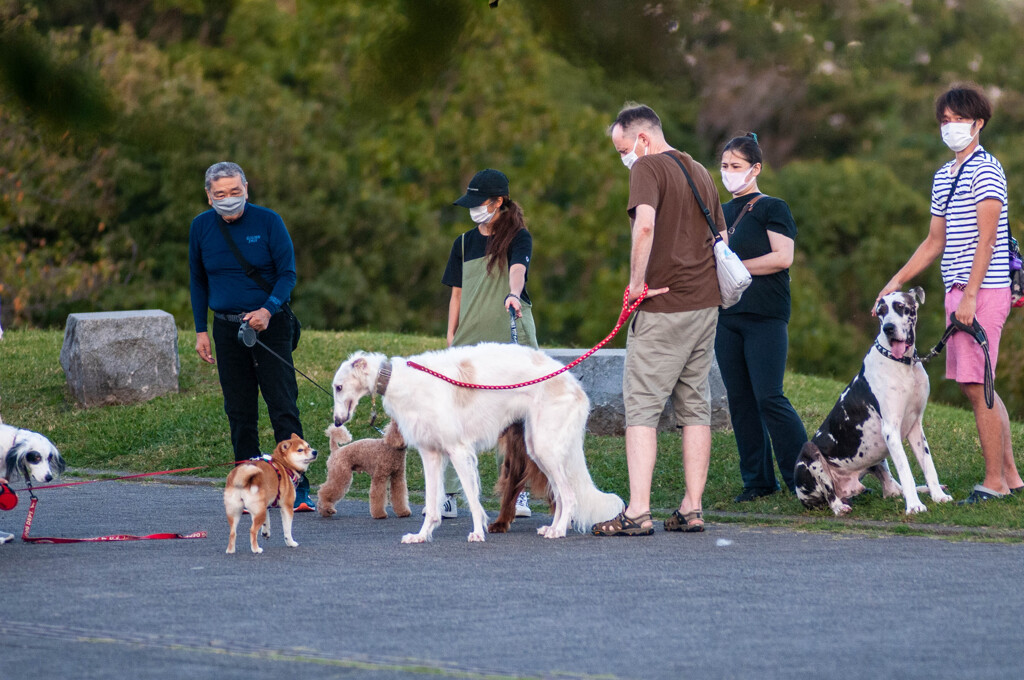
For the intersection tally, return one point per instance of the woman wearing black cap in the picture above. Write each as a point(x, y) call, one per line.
point(487, 272)
point(488, 266)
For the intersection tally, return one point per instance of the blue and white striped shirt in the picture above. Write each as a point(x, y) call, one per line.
point(982, 178)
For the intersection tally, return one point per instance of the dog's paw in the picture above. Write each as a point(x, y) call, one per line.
point(841, 509)
point(230, 550)
point(543, 531)
point(554, 533)
point(382, 515)
point(913, 509)
point(497, 528)
point(290, 543)
point(414, 538)
point(941, 497)
point(257, 550)
point(476, 537)
point(325, 509)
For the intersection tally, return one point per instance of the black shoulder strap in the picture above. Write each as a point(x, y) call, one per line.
point(696, 194)
point(956, 180)
point(250, 270)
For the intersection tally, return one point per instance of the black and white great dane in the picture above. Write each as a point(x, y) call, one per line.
point(880, 407)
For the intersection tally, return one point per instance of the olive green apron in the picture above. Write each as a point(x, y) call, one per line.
point(482, 313)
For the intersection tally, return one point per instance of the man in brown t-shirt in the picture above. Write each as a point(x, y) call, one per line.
point(670, 345)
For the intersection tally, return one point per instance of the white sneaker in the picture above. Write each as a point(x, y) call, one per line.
point(523, 505)
point(450, 507)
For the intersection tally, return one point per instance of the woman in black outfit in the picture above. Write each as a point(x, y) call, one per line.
point(752, 339)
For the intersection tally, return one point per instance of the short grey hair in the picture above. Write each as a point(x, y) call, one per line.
point(221, 170)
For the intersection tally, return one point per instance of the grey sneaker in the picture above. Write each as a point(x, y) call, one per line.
point(523, 505)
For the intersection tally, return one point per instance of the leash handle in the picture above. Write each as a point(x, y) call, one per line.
point(627, 309)
point(513, 331)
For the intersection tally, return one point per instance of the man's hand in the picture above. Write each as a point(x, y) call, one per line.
point(203, 347)
point(966, 309)
point(891, 287)
point(635, 291)
point(258, 320)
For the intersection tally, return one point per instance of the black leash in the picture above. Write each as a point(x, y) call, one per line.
point(248, 336)
point(976, 331)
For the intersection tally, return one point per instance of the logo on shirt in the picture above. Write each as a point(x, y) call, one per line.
point(252, 239)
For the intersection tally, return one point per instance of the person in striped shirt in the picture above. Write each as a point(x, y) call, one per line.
point(970, 231)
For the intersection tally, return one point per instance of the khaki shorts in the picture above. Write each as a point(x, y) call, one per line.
point(669, 355)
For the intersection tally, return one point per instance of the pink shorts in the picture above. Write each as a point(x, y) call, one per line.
point(965, 360)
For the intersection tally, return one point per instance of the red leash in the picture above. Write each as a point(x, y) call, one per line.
point(99, 539)
point(115, 537)
point(627, 309)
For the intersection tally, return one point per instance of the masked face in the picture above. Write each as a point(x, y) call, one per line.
point(482, 214)
point(227, 207)
point(631, 157)
point(736, 182)
point(227, 196)
point(958, 135)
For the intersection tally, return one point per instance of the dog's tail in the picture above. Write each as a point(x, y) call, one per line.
point(244, 484)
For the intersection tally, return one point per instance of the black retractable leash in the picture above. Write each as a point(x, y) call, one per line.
point(248, 336)
point(976, 331)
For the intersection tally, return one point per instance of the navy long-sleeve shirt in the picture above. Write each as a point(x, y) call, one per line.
point(219, 282)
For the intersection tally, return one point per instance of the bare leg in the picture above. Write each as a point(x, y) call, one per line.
point(641, 454)
point(993, 426)
point(696, 459)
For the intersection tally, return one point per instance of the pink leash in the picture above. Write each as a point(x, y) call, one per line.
point(627, 309)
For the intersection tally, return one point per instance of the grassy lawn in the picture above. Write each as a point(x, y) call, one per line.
point(190, 429)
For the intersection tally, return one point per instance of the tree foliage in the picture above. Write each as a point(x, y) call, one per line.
point(360, 122)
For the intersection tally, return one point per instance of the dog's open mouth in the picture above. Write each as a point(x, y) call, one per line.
point(898, 348)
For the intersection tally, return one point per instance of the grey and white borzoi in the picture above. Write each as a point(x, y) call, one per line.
point(440, 419)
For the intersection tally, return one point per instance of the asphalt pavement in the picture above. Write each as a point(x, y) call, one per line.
point(352, 602)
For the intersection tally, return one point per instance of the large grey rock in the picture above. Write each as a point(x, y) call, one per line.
point(120, 357)
point(601, 378)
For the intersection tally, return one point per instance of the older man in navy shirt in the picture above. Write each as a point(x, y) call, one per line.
point(219, 282)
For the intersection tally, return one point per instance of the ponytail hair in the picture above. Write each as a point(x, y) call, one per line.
point(504, 228)
point(746, 147)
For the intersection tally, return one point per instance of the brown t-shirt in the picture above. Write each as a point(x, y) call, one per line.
point(681, 254)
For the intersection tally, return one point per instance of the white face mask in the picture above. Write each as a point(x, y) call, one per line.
point(957, 136)
point(631, 157)
point(480, 215)
point(735, 182)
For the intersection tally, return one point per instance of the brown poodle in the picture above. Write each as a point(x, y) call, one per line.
point(383, 459)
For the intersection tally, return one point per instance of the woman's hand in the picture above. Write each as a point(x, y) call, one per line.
point(512, 301)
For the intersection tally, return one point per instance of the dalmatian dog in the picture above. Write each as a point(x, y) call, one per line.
point(883, 405)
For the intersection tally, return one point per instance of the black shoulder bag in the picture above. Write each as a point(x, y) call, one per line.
point(251, 272)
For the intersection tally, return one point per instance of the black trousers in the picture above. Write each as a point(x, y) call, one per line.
point(247, 372)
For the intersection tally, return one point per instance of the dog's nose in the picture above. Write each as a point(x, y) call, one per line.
point(49, 477)
point(337, 422)
point(889, 328)
point(314, 453)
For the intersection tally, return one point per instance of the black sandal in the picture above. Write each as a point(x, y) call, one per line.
point(691, 522)
point(624, 526)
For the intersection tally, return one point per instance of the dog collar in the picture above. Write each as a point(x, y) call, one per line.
point(909, 361)
point(383, 378)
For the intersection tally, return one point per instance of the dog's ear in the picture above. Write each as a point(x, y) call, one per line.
point(918, 294)
point(359, 363)
point(881, 309)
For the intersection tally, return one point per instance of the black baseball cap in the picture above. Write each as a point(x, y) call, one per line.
point(485, 184)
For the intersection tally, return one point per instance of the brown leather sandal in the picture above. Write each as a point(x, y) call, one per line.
point(691, 522)
point(624, 526)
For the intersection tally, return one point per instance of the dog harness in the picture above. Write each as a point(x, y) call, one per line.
point(293, 476)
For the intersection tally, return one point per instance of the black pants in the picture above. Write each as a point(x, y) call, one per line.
point(751, 352)
point(247, 372)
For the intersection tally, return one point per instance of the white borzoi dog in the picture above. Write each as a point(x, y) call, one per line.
point(440, 419)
